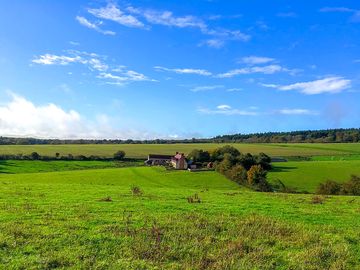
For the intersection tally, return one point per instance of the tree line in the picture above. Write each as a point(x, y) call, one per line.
point(306, 136)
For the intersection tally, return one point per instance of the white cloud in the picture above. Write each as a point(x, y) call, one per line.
point(167, 18)
point(226, 110)
point(202, 72)
point(51, 59)
point(22, 118)
point(85, 22)
point(234, 89)
point(129, 17)
point(206, 88)
point(256, 60)
point(297, 112)
point(270, 69)
point(113, 13)
point(328, 85)
point(224, 107)
point(95, 63)
point(355, 18)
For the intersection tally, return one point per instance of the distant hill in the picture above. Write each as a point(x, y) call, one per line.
point(306, 136)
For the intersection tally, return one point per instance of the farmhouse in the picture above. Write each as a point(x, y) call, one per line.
point(179, 161)
point(154, 159)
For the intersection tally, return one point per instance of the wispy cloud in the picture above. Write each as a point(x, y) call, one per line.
point(114, 13)
point(134, 17)
point(327, 85)
point(225, 109)
point(297, 112)
point(256, 60)
point(270, 69)
point(206, 88)
point(201, 72)
point(92, 60)
point(355, 13)
point(85, 22)
point(95, 63)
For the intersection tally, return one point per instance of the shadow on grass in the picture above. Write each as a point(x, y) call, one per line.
point(283, 169)
point(4, 165)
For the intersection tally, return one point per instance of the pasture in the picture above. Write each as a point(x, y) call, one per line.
point(91, 219)
point(307, 175)
point(142, 150)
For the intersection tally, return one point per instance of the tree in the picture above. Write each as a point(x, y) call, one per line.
point(264, 161)
point(219, 153)
point(198, 155)
point(34, 156)
point(119, 155)
point(225, 165)
point(238, 174)
point(256, 178)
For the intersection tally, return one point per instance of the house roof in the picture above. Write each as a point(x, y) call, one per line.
point(179, 156)
point(156, 156)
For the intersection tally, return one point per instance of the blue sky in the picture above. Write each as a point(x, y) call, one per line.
point(177, 69)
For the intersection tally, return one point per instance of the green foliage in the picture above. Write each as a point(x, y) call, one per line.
point(238, 174)
point(219, 153)
point(199, 155)
point(119, 155)
point(351, 187)
point(329, 187)
point(256, 177)
point(34, 156)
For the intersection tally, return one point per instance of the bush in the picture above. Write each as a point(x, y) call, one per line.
point(264, 160)
point(238, 174)
point(225, 165)
point(119, 155)
point(34, 156)
point(197, 155)
point(256, 178)
point(219, 153)
point(329, 187)
point(352, 187)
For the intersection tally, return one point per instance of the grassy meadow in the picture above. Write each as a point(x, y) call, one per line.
point(307, 175)
point(90, 219)
point(107, 215)
point(142, 150)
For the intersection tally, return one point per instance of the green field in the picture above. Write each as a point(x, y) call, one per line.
point(142, 150)
point(66, 220)
point(307, 175)
point(34, 166)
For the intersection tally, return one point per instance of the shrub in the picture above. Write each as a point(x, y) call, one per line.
point(256, 178)
point(34, 156)
point(246, 160)
point(329, 187)
point(119, 155)
point(317, 200)
point(264, 160)
point(197, 155)
point(219, 153)
point(238, 174)
point(225, 165)
point(352, 187)
point(136, 191)
point(194, 199)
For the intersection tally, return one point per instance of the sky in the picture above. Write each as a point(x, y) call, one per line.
point(177, 69)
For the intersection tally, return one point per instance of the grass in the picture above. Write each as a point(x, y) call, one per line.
point(142, 150)
point(91, 219)
point(32, 166)
point(307, 175)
